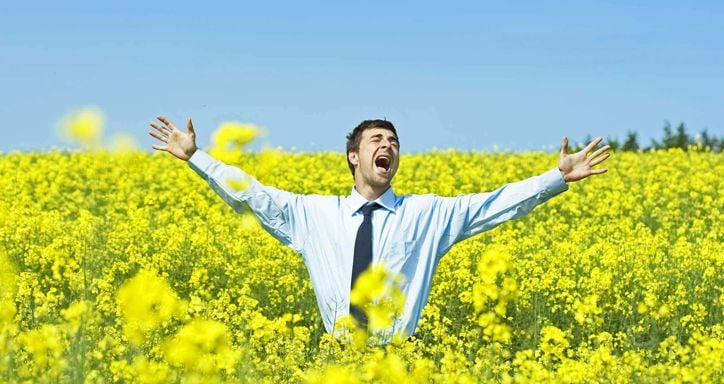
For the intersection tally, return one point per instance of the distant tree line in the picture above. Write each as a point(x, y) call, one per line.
point(673, 138)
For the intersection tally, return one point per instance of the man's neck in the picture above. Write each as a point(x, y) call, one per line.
point(369, 192)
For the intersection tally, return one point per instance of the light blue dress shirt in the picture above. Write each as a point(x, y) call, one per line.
point(410, 232)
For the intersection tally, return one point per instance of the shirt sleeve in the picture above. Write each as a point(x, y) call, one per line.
point(467, 215)
point(275, 208)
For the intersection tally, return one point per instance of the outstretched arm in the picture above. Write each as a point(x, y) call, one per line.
point(176, 142)
point(277, 210)
point(579, 165)
point(467, 215)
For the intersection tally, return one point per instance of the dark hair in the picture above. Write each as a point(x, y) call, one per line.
point(354, 137)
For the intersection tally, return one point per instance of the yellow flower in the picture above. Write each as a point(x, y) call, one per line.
point(331, 374)
point(8, 289)
point(232, 135)
point(7, 312)
point(553, 342)
point(492, 293)
point(493, 328)
point(495, 262)
point(370, 285)
point(202, 346)
point(71, 223)
point(230, 138)
point(145, 303)
point(377, 291)
point(84, 127)
point(45, 344)
point(123, 142)
point(150, 372)
point(74, 314)
point(387, 368)
point(587, 311)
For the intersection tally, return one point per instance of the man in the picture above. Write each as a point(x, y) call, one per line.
point(339, 236)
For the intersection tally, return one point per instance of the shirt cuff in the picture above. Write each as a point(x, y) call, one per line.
point(200, 162)
point(553, 182)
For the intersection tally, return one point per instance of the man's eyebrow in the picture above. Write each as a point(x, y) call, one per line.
point(379, 135)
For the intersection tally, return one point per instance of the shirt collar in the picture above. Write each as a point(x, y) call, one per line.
point(387, 200)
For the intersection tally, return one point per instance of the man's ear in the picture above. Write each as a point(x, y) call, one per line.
point(352, 157)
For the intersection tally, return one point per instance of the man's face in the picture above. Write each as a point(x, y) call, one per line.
point(377, 160)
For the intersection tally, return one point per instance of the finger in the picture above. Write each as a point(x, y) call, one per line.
point(599, 171)
point(161, 129)
point(159, 137)
point(564, 146)
point(593, 144)
point(600, 150)
point(190, 126)
point(599, 160)
point(167, 122)
point(159, 147)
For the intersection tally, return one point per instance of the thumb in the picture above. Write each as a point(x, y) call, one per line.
point(564, 146)
point(190, 126)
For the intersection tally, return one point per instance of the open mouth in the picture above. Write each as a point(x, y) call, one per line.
point(383, 163)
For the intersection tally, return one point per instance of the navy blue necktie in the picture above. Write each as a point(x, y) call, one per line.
point(362, 257)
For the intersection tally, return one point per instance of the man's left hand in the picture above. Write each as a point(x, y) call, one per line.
point(579, 165)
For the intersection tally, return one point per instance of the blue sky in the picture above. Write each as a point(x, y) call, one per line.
point(465, 75)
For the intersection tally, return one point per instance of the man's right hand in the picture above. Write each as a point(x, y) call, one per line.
point(178, 143)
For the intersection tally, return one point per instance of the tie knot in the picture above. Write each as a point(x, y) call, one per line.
point(367, 209)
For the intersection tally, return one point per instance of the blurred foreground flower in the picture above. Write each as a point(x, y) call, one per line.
point(148, 371)
point(83, 127)
point(123, 142)
point(145, 303)
point(8, 289)
point(331, 374)
point(75, 313)
point(233, 135)
point(204, 347)
point(492, 293)
point(230, 138)
point(46, 345)
point(378, 292)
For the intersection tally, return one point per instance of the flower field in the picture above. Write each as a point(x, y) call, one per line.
point(126, 267)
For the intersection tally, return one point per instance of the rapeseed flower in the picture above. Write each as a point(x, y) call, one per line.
point(587, 310)
point(8, 289)
point(232, 135)
point(553, 343)
point(230, 138)
point(377, 291)
point(46, 346)
point(75, 314)
point(628, 284)
point(150, 372)
point(84, 127)
point(122, 143)
point(492, 293)
point(332, 374)
point(145, 303)
point(202, 346)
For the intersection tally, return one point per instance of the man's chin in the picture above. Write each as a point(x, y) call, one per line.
point(379, 181)
point(382, 182)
